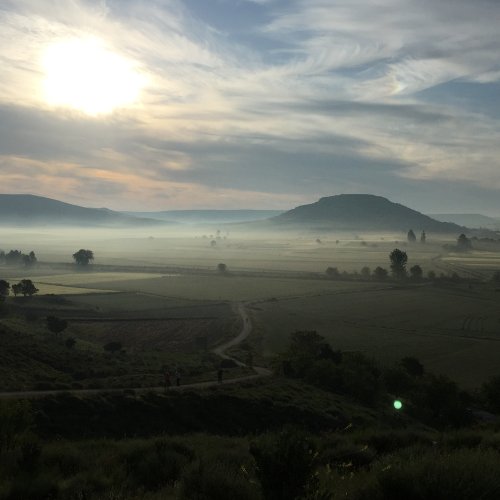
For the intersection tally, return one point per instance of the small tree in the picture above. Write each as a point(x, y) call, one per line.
point(463, 243)
point(380, 273)
point(411, 236)
point(13, 257)
point(83, 257)
point(213, 243)
point(221, 268)
point(431, 275)
point(70, 343)
point(29, 260)
point(27, 288)
point(423, 237)
point(16, 289)
point(56, 325)
point(398, 260)
point(113, 347)
point(416, 272)
point(332, 272)
point(4, 288)
point(365, 272)
point(412, 366)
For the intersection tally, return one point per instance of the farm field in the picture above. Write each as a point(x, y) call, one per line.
point(227, 288)
point(282, 281)
point(239, 251)
point(448, 329)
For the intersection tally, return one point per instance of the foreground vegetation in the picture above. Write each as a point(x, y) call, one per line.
point(275, 439)
point(322, 427)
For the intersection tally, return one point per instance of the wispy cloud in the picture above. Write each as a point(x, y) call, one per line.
point(315, 98)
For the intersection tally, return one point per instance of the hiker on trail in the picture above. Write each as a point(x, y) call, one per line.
point(220, 372)
point(168, 381)
point(178, 377)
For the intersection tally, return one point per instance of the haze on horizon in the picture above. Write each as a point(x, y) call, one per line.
point(251, 103)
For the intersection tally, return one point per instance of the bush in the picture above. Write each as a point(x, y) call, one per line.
point(154, 465)
point(284, 464)
point(462, 475)
point(15, 421)
point(216, 481)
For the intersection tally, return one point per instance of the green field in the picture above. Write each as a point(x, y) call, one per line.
point(448, 328)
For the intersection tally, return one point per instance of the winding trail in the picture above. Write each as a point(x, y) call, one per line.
point(246, 330)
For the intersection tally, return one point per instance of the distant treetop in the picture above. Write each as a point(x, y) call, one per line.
point(83, 257)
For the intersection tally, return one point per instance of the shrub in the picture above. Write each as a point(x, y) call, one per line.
point(284, 463)
point(216, 481)
point(154, 465)
point(462, 475)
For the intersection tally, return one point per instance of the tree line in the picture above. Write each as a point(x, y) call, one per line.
point(17, 258)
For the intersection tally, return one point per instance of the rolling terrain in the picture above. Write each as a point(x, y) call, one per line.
point(28, 210)
point(361, 212)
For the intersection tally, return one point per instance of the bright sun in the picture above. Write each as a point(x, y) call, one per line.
point(83, 74)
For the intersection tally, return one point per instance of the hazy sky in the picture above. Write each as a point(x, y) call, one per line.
point(165, 104)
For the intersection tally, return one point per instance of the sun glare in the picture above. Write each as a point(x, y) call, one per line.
point(83, 74)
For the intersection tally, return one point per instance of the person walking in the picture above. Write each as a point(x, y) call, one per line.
point(168, 381)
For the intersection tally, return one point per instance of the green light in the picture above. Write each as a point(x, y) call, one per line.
point(398, 404)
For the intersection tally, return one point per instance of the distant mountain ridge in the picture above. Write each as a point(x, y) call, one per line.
point(469, 220)
point(361, 212)
point(27, 210)
point(209, 216)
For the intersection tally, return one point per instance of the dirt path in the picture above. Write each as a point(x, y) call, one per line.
point(220, 351)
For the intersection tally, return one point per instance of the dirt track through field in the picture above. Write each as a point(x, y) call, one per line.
point(220, 351)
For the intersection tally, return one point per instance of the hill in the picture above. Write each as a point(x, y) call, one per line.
point(360, 212)
point(29, 210)
point(469, 220)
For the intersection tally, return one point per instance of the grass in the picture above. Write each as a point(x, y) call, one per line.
point(235, 288)
point(448, 329)
point(33, 358)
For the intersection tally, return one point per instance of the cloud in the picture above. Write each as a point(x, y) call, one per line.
point(304, 98)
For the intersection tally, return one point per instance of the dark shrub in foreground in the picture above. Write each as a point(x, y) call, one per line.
point(285, 464)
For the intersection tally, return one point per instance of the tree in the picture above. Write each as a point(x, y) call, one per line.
point(431, 275)
point(416, 272)
point(411, 236)
point(27, 287)
point(83, 257)
point(423, 237)
point(16, 289)
point(413, 366)
point(4, 288)
point(222, 268)
point(70, 343)
point(365, 272)
point(113, 347)
point(380, 273)
point(463, 243)
point(56, 325)
point(398, 260)
point(13, 257)
point(213, 243)
point(29, 260)
point(332, 272)
point(491, 393)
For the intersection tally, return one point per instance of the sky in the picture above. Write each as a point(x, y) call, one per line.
point(170, 104)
